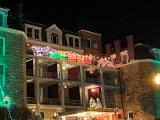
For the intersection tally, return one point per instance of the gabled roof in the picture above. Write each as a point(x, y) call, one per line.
point(54, 26)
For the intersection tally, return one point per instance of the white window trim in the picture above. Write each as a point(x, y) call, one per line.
point(128, 115)
point(74, 37)
point(90, 41)
point(33, 31)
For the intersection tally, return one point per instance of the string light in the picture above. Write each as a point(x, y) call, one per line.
point(72, 57)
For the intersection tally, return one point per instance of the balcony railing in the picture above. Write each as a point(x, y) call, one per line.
point(50, 75)
point(110, 105)
point(73, 102)
point(51, 101)
point(93, 80)
point(31, 100)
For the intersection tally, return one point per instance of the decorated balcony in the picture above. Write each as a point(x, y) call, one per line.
point(72, 57)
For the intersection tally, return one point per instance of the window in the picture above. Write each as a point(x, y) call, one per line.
point(95, 46)
point(54, 38)
point(88, 42)
point(2, 75)
point(36, 34)
point(2, 46)
point(70, 41)
point(76, 42)
point(130, 115)
point(129, 96)
point(1, 20)
point(29, 32)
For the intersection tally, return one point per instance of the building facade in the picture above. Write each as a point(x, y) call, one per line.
point(138, 66)
point(58, 72)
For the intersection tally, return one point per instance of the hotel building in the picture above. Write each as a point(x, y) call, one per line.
point(60, 73)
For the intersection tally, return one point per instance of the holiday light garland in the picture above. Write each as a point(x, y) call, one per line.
point(72, 57)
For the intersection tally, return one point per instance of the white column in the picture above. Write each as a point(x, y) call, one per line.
point(61, 86)
point(102, 89)
point(36, 82)
point(82, 87)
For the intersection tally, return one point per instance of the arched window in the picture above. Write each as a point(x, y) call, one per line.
point(54, 38)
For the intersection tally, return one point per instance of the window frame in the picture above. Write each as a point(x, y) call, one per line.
point(56, 40)
point(76, 39)
point(1, 20)
point(31, 33)
point(70, 41)
point(88, 39)
point(131, 115)
point(36, 34)
point(2, 83)
point(3, 46)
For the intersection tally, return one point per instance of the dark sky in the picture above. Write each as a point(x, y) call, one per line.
point(113, 19)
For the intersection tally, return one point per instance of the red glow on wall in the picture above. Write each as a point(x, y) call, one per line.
point(94, 92)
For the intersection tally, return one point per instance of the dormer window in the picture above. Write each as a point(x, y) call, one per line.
point(36, 34)
point(76, 43)
point(29, 32)
point(70, 41)
point(88, 42)
point(33, 32)
point(54, 38)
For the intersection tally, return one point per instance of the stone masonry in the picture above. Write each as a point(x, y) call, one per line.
point(14, 60)
point(139, 89)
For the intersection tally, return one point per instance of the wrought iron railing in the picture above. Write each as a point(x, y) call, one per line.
point(51, 101)
point(73, 102)
point(31, 100)
point(50, 75)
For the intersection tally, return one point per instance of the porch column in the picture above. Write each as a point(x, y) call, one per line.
point(36, 82)
point(83, 100)
point(102, 89)
point(62, 87)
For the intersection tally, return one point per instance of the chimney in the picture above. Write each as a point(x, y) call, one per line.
point(130, 42)
point(118, 51)
point(20, 15)
point(108, 49)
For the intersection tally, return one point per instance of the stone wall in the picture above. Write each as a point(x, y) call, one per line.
point(138, 84)
point(14, 60)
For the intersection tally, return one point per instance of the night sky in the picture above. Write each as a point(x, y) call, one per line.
point(113, 19)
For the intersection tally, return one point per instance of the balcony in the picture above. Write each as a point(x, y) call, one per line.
point(51, 101)
point(50, 75)
point(31, 100)
point(73, 102)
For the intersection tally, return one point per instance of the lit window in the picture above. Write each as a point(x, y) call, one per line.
point(29, 32)
point(76, 42)
point(2, 46)
point(1, 20)
point(88, 42)
point(36, 34)
point(130, 115)
point(54, 38)
point(1, 75)
point(70, 41)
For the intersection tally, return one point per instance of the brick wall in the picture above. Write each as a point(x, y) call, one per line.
point(138, 78)
point(15, 86)
point(95, 40)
